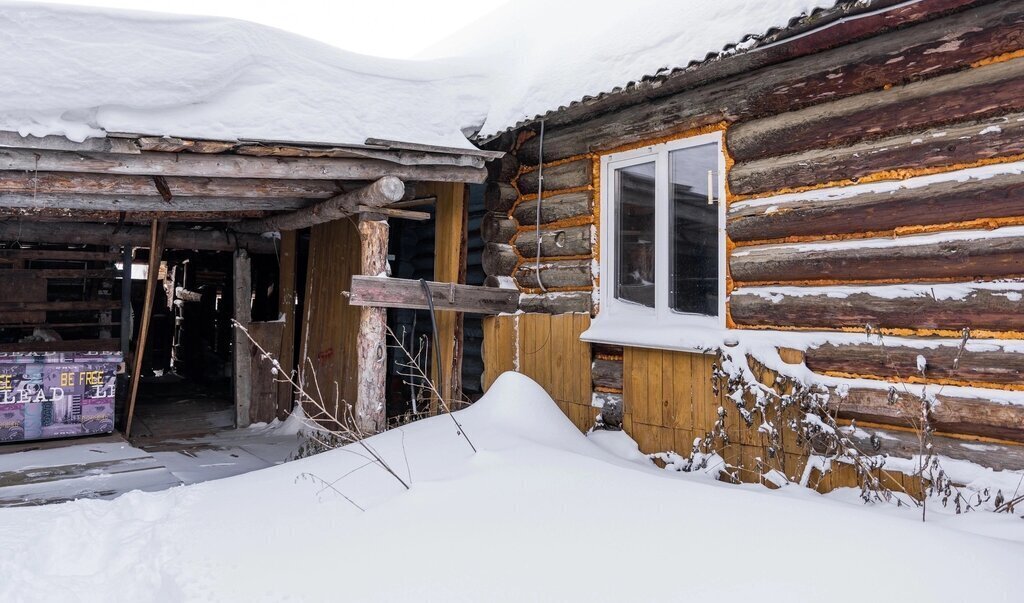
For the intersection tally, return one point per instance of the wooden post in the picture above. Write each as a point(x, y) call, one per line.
point(242, 352)
point(286, 306)
point(126, 300)
point(450, 267)
point(158, 229)
point(370, 412)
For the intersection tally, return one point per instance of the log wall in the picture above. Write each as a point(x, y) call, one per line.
point(876, 182)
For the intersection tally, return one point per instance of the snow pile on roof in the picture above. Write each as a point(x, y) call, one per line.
point(542, 55)
point(82, 72)
point(541, 513)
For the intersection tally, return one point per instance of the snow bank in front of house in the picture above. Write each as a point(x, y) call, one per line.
point(540, 513)
point(83, 72)
point(543, 55)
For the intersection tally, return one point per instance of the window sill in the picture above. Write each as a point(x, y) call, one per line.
point(698, 335)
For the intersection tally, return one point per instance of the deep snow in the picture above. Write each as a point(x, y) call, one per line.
point(540, 513)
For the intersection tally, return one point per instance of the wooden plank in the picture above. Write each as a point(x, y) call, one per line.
point(964, 95)
point(263, 388)
point(388, 292)
point(429, 148)
point(999, 196)
point(59, 325)
point(980, 309)
point(59, 306)
point(998, 253)
point(71, 183)
point(975, 364)
point(73, 233)
point(57, 254)
point(24, 288)
point(44, 200)
point(401, 214)
point(654, 398)
point(158, 231)
point(107, 144)
point(65, 273)
point(958, 144)
point(241, 352)
point(66, 345)
point(680, 411)
point(842, 70)
point(449, 267)
point(287, 301)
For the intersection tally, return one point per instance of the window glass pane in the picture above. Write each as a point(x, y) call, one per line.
point(693, 235)
point(634, 234)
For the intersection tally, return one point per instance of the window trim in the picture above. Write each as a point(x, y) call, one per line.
point(639, 325)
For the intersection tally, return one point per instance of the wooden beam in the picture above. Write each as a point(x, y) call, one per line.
point(370, 410)
point(135, 217)
point(383, 191)
point(45, 200)
point(66, 345)
point(401, 214)
point(241, 353)
point(50, 254)
point(429, 148)
point(157, 231)
point(450, 242)
point(126, 299)
point(108, 144)
point(60, 306)
point(287, 301)
point(119, 184)
point(87, 233)
point(55, 273)
point(232, 166)
point(387, 292)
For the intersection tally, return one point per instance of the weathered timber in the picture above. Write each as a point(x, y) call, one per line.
point(53, 254)
point(607, 373)
point(232, 166)
point(158, 230)
point(554, 208)
point(135, 217)
point(288, 300)
point(942, 146)
point(187, 295)
point(68, 273)
point(574, 240)
point(499, 259)
point(940, 203)
point(106, 184)
point(497, 228)
point(173, 144)
point(951, 414)
point(904, 444)
point(495, 282)
point(390, 212)
point(562, 302)
point(15, 140)
point(66, 345)
point(971, 94)
point(830, 28)
point(571, 174)
point(503, 169)
point(59, 325)
point(60, 306)
point(500, 197)
point(369, 411)
point(992, 255)
point(975, 364)
point(383, 191)
point(386, 292)
point(926, 50)
point(555, 274)
point(984, 309)
point(85, 233)
point(434, 149)
point(263, 389)
point(150, 203)
point(242, 348)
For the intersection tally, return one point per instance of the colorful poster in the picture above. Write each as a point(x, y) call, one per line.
point(45, 396)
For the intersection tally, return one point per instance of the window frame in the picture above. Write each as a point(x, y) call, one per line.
point(662, 313)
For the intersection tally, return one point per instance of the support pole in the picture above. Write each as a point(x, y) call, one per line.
point(126, 300)
point(370, 412)
point(242, 348)
point(158, 230)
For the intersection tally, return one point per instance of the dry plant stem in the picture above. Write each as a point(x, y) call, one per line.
point(345, 428)
point(419, 373)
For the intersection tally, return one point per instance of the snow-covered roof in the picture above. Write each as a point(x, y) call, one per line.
point(541, 55)
point(83, 72)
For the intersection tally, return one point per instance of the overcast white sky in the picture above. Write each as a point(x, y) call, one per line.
point(390, 28)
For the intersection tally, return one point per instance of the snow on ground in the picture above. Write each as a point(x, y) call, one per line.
point(83, 72)
point(539, 513)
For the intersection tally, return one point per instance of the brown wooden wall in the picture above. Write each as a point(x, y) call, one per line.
point(912, 91)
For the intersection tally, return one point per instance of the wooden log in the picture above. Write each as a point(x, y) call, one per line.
point(554, 208)
point(369, 410)
point(387, 292)
point(66, 345)
point(967, 95)
point(555, 274)
point(135, 217)
point(572, 174)
point(942, 146)
point(951, 414)
point(241, 353)
point(992, 309)
point(904, 444)
point(996, 253)
point(150, 203)
point(499, 259)
point(106, 184)
point(84, 234)
point(940, 203)
point(607, 373)
point(976, 364)
point(232, 166)
point(500, 197)
point(383, 191)
point(158, 230)
point(497, 228)
point(574, 240)
point(563, 302)
point(288, 301)
point(503, 169)
point(926, 50)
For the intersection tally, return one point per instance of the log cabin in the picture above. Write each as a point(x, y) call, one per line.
point(834, 201)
